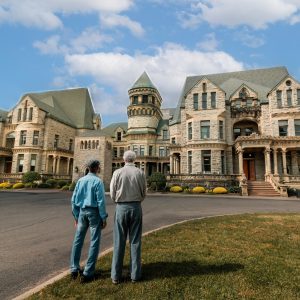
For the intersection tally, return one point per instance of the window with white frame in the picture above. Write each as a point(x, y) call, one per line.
point(20, 163)
point(33, 162)
point(283, 127)
point(23, 135)
point(161, 151)
point(206, 161)
point(205, 129)
point(35, 138)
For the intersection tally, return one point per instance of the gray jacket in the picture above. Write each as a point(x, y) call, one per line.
point(128, 184)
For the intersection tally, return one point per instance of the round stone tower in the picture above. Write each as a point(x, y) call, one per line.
point(144, 109)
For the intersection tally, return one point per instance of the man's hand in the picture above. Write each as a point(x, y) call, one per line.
point(103, 224)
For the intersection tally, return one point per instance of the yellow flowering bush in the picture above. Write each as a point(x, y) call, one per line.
point(198, 189)
point(6, 185)
point(220, 190)
point(176, 189)
point(18, 185)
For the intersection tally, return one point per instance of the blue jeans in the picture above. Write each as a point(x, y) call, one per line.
point(88, 218)
point(128, 221)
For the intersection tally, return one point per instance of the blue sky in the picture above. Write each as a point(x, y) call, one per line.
point(106, 45)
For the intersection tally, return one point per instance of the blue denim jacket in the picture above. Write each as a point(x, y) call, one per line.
point(89, 192)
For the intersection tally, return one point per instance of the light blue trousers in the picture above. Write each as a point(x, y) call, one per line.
point(88, 218)
point(128, 222)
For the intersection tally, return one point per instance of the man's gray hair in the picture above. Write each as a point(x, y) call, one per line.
point(93, 164)
point(129, 156)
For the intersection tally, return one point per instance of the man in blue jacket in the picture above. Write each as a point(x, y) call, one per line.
point(89, 211)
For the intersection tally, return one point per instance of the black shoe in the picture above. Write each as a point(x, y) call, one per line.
point(86, 279)
point(76, 274)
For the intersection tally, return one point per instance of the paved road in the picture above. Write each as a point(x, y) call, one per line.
point(36, 229)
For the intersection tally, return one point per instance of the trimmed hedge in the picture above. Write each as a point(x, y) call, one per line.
point(6, 185)
point(220, 190)
point(18, 185)
point(198, 190)
point(30, 177)
point(52, 182)
point(176, 189)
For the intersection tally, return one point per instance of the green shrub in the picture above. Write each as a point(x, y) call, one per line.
point(30, 177)
point(44, 186)
point(220, 190)
point(198, 190)
point(65, 188)
point(52, 182)
point(18, 185)
point(234, 189)
point(61, 183)
point(72, 186)
point(31, 185)
point(6, 185)
point(157, 181)
point(176, 189)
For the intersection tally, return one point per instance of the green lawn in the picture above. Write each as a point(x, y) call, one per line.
point(231, 257)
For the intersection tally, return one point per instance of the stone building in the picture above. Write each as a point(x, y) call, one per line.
point(38, 134)
point(243, 125)
point(228, 128)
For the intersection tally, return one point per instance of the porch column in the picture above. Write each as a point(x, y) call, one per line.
point(284, 161)
point(240, 153)
point(275, 161)
point(157, 167)
point(54, 165)
point(58, 165)
point(267, 161)
point(295, 167)
point(68, 166)
point(47, 164)
point(145, 168)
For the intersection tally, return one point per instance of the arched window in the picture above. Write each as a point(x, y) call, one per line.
point(81, 145)
point(93, 144)
point(85, 145)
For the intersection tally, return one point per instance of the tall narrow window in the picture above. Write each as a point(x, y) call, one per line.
point(35, 138)
point(145, 99)
point(135, 149)
point(121, 151)
point(289, 97)
point(25, 114)
point(161, 151)
point(279, 98)
point(238, 103)
point(190, 131)
point(205, 129)
point(165, 134)
point(190, 158)
point(221, 129)
point(297, 127)
point(150, 150)
point(195, 101)
point(298, 96)
point(204, 100)
point(115, 152)
point(23, 137)
point(213, 99)
point(223, 169)
point(283, 127)
point(19, 114)
point(20, 163)
point(30, 113)
point(56, 141)
point(248, 102)
point(206, 161)
point(135, 100)
point(173, 140)
point(71, 144)
point(119, 136)
point(32, 162)
point(142, 150)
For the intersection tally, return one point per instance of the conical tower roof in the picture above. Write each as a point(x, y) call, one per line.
point(143, 82)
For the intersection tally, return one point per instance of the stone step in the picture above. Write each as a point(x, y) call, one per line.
point(261, 188)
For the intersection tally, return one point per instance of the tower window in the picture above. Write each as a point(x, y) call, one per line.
point(145, 99)
point(135, 100)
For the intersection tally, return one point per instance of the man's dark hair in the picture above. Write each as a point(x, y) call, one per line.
point(93, 165)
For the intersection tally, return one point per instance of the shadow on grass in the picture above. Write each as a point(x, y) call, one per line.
point(185, 268)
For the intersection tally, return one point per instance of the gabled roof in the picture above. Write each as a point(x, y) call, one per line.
point(111, 128)
point(3, 115)
point(143, 82)
point(162, 123)
point(72, 106)
point(260, 80)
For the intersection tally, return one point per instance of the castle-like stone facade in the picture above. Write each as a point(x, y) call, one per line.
point(242, 126)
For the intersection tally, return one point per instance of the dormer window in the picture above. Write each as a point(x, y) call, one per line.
point(243, 93)
point(204, 87)
point(119, 136)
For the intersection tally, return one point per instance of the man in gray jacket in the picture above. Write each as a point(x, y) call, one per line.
point(127, 190)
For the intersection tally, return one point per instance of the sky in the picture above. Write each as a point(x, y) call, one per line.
point(105, 45)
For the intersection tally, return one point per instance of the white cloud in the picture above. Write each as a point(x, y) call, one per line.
point(167, 68)
point(256, 14)
point(250, 40)
point(51, 45)
point(210, 43)
point(114, 20)
point(45, 14)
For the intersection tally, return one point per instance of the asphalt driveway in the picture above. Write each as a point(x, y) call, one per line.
point(36, 229)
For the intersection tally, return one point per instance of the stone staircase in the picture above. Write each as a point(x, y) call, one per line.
point(261, 188)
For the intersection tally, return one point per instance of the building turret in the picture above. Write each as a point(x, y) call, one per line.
point(143, 111)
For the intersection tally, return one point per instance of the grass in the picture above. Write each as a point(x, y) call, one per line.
point(231, 257)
